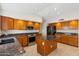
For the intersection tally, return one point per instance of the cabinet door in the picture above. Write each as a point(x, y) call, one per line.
point(73, 40)
point(65, 39)
point(73, 24)
point(7, 23)
point(23, 40)
point(58, 37)
point(36, 26)
point(58, 26)
point(19, 25)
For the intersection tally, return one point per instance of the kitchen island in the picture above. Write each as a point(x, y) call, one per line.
point(45, 47)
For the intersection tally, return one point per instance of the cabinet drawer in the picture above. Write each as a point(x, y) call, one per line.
point(73, 41)
point(23, 40)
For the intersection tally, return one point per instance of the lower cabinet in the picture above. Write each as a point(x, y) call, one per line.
point(23, 40)
point(68, 39)
point(65, 39)
point(73, 40)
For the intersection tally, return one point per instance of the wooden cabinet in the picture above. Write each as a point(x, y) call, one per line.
point(59, 38)
point(23, 40)
point(65, 39)
point(29, 23)
point(58, 26)
point(73, 40)
point(36, 26)
point(65, 25)
point(73, 24)
point(68, 39)
point(19, 24)
point(7, 23)
point(45, 47)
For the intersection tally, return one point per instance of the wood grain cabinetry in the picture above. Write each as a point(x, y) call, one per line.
point(58, 26)
point(72, 24)
point(29, 23)
point(22, 25)
point(19, 24)
point(23, 40)
point(73, 40)
point(45, 47)
point(7, 23)
point(68, 39)
point(59, 37)
point(36, 26)
point(64, 39)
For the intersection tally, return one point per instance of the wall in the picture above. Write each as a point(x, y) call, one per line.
point(19, 11)
point(66, 16)
point(0, 9)
point(22, 16)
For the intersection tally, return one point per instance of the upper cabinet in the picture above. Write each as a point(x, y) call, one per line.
point(65, 25)
point(19, 24)
point(36, 26)
point(58, 26)
point(30, 23)
point(73, 24)
point(7, 23)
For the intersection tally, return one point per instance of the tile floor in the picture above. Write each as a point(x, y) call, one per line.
point(62, 50)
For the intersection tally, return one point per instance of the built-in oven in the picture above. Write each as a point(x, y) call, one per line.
point(31, 39)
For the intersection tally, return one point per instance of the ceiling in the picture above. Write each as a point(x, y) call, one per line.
point(46, 10)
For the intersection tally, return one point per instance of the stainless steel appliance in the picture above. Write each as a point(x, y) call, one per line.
point(51, 31)
point(31, 39)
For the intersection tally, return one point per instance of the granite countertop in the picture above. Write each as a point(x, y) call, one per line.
point(14, 33)
point(68, 31)
point(20, 31)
